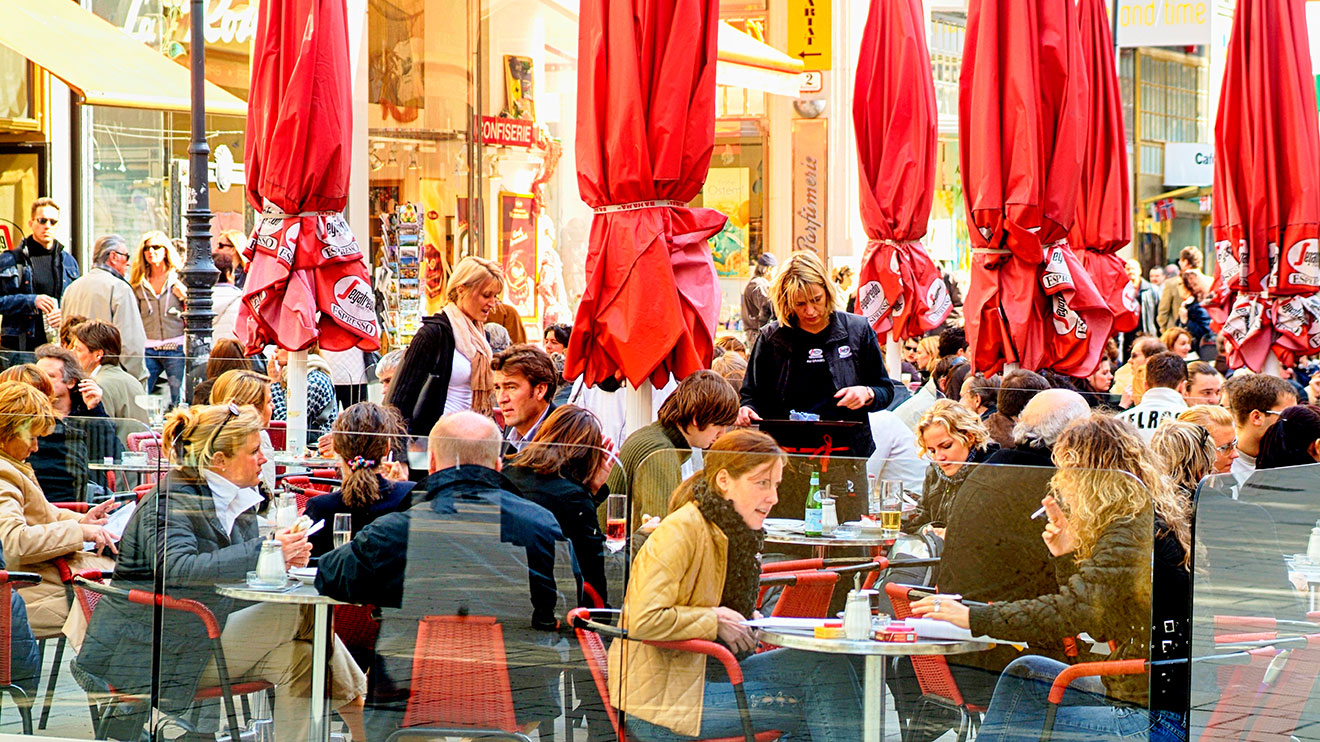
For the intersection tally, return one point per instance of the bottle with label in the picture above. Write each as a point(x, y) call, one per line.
point(814, 514)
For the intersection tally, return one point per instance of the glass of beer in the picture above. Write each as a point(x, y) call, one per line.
point(891, 507)
point(616, 521)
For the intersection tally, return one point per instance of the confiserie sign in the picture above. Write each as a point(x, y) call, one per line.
point(507, 132)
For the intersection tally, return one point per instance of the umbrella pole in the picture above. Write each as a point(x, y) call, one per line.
point(893, 358)
point(296, 403)
point(637, 408)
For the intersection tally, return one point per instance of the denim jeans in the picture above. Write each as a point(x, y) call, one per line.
point(1017, 711)
point(171, 363)
point(805, 695)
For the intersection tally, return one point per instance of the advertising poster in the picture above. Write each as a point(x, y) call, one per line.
point(518, 87)
point(518, 253)
point(728, 190)
point(435, 263)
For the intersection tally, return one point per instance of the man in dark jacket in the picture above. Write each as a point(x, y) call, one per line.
point(470, 547)
point(993, 550)
point(33, 277)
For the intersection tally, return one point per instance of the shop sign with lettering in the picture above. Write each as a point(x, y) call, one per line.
point(507, 132)
point(809, 173)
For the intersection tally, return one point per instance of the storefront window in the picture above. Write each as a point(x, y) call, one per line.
point(15, 85)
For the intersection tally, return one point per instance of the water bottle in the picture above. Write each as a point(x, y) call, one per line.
point(813, 515)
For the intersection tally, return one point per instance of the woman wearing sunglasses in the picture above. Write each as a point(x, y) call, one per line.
point(160, 297)
point(208, 518)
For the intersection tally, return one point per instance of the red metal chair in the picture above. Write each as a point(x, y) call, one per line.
point(460, 682)
point(66, 578)
point(938, 686)
point(8, 581)
point(356, 627)
point(278, 431)
point(226, 691)
point(589, 635)
point(805, 595)
point(305, 487)
point(136, 441)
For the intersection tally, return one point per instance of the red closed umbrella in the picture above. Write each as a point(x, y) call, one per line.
point(646, 129)
point(900, 290)
point(1267, 188)
point(307, 280)
point(1022, 123)
point(1104, 204)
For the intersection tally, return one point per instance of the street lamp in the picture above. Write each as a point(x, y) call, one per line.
point(199, 273)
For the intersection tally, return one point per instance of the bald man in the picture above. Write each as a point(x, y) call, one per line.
point(469, 546)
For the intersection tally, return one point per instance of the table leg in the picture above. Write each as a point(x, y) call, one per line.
point(320, 727)
point(1313, 593)
point(873, 689)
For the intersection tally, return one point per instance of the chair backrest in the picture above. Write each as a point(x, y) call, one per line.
point(135, 440)
point(593, 649)
point(279, 434)
point(932, 673)
point(460, 678)
point(808, 596)
point(87, 599)
point(6, 621)
point(1281, 706)
point(356, 627)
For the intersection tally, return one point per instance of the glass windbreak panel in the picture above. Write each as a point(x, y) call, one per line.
point(1012, 613)
point(1256, 585)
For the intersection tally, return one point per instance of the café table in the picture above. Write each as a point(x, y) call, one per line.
point(282, 458)
point(877, 654)
point(321, 637)
point(822, 544)
point(118, 465)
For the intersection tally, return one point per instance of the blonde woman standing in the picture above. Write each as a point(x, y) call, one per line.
point(160, 297)
point(447, 366)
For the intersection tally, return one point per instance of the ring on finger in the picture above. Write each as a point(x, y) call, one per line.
point(937, 604)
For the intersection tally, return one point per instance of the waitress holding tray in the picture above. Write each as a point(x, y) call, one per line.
point(814, 359)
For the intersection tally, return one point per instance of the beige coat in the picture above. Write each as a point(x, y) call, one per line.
point(677, 580)
point(33, 532)
point(103, 295)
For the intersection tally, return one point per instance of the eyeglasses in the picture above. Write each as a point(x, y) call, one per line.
point(224, 244)
point(233, 413)
point(47, 222)
point(910, 348)
point(155, 247)
point(120, 253)
point(1271, 412)
point(1227, 446)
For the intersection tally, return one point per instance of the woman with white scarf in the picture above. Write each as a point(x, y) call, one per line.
point(447, 366)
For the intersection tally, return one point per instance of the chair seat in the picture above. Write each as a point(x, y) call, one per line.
point(238, 689)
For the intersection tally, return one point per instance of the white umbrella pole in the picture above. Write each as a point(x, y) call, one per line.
point(893, 358)
point(637, 408)
point(295, 400)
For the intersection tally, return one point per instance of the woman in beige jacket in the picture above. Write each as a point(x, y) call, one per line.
point(697, 577)
point(33, 532)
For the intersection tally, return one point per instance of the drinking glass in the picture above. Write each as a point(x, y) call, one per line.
point(343, 529)
point(616, 520)
point(891, 507)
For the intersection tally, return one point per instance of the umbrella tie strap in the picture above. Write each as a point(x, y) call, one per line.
point(991, 251)
point(638, 205)
point(271, 211)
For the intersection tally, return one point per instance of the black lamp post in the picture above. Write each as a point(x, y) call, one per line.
point(199, 273)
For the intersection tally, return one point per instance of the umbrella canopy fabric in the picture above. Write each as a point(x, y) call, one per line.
point(1022, 123)
point(1104, 204)
point(1266, 210)
point(307, 280)
point(646, 130)
point(899, 289)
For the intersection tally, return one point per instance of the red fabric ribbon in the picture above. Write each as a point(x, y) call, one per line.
point(822, 452)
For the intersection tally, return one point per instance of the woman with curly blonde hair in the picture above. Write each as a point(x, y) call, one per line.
point(951, 436)
point(1111, 507)
point(1188, 453)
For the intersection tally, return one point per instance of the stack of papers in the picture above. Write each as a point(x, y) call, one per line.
point(926, 628)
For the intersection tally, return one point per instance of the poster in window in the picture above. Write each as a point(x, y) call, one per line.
point(518, 253)
point(518, 88)
point(728, 191)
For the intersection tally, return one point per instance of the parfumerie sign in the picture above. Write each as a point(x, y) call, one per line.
point(809, 147)
point(1163, 22)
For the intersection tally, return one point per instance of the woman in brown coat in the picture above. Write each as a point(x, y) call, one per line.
point(697, 577)
point(33, 532)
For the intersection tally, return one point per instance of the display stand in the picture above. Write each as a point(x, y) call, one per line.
point(398, 271)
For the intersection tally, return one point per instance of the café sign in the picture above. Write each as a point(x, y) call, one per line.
point(225, 23)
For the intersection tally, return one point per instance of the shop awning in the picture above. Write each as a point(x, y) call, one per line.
point(745, 62)
point(99, 61)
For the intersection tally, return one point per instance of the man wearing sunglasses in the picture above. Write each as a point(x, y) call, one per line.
point(104, 294)
point(33, 277)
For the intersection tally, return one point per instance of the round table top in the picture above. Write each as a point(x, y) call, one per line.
point(302, 595)
point(788, 538)
point(311, 462)
point(159, 466)
point(809, 642)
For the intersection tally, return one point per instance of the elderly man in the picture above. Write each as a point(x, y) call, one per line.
point(470, 546)
point(993, 550)
point(104, 294)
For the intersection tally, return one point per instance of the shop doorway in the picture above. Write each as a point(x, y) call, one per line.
point(22, 181)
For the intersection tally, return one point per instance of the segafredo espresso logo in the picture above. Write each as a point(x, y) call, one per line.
point(939, 301)
point(336, 238)
point(354, 305)
point(1066, 321)
point(871, 299)
point(1056, 271)
point(1230, 268)
point(1304, 258)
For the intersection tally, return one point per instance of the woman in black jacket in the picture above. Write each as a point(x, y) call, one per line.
point(952, 437)
point(367, 438)
point(564, 471)
point(447, 367)
point(206, 509)
point(819, 361)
